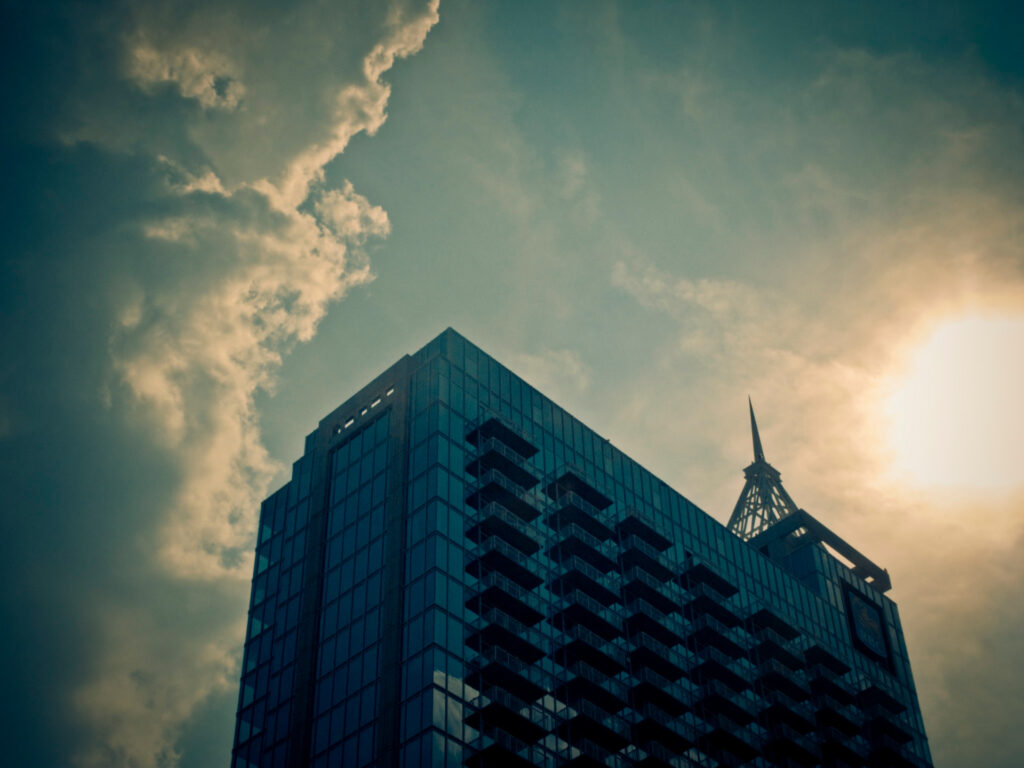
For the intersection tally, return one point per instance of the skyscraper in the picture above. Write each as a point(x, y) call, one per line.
point(460, 573)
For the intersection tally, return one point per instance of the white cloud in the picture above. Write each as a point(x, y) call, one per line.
point(206, 76)
point(252, 250)
point(138, 705)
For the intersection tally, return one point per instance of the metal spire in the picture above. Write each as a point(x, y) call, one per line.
point(763, 501)
point(758, 450)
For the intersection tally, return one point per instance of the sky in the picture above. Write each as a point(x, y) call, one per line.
point(222, 219)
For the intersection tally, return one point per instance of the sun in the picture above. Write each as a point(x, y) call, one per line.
point(957, 415)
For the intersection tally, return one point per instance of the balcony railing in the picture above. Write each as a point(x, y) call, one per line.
point(511, 495)
point(518, 531)
point(668, 621)
point(711, 687)
point(673, 656)
point(494, 445)
point(494, 543)
point(499, 581)
point(589, 672)
point(612, 722)
point(677, 725)
point(494, 553)
point(654, 561)
point(595, 641)
point(494, 616)
point(582, 599)
point(496, 456)
point(707, 621)
point(598, 519)
point(669, 589)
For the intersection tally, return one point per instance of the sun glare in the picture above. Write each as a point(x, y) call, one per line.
point(957, 417)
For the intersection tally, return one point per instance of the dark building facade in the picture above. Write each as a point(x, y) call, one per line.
point(460, 573)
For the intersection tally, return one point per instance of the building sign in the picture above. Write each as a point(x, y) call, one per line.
point(867, 626)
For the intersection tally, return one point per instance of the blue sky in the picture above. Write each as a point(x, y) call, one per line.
point(222, 219)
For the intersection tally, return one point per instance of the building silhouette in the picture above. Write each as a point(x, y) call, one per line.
point(460, 573)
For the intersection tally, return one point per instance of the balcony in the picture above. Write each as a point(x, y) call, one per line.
point(779, 708)
point(875, 698)
point(828, 692)
point(775, 676)
point(704, 602)
point(660, 756)
point(493, 454)
point(495, 429)
point(573, 508)
point(581, 643)
point(766, 625)
point(824, 663)
point(658, 726)
point(495, 520)
point(583, 752)
point(576, 573)
point(707, 630)
point(501, 712)
point(636, 552)
point(632, 524)
point(495, 487)
point(646, 619)
point(892, 754)
point(717, 669)
point(768, 649)
point(650, 653)
point(740, 666)
point(579, 681)
point(494, 554)
point(881, 728)
point(697, 572)
point(717, 698)
point(730, 746)
point(663, 595)
point(838, 748)
point(590, 723)
point(574, 541)
point(784, 743)
point(576, 607)
point(837, 717)
point(571, 481)
point(500, 669)
point(496, 629)
point(500, 750)
point(495, 590)
point(657, 689)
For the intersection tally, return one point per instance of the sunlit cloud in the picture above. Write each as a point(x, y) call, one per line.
point(204, 76)
point(255, 248)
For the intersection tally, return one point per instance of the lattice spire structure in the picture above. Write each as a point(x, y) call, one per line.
point(763, 501)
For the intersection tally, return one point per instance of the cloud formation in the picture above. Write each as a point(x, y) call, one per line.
point(233, 111)
point(207, 78)
point(854, 269)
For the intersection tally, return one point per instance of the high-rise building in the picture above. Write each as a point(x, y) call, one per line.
point(460, 573)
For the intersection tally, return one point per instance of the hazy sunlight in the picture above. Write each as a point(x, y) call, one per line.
point(957, 418)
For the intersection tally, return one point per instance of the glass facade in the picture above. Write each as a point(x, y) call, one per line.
point(461, 573)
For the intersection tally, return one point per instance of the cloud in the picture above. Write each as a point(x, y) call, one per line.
point(196, 355)
point(137, 705)
point(240, 247)
point(206, 77)
point(896, 214)
point(562, 374)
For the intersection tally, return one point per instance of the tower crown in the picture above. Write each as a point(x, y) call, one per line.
point(763, 501)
